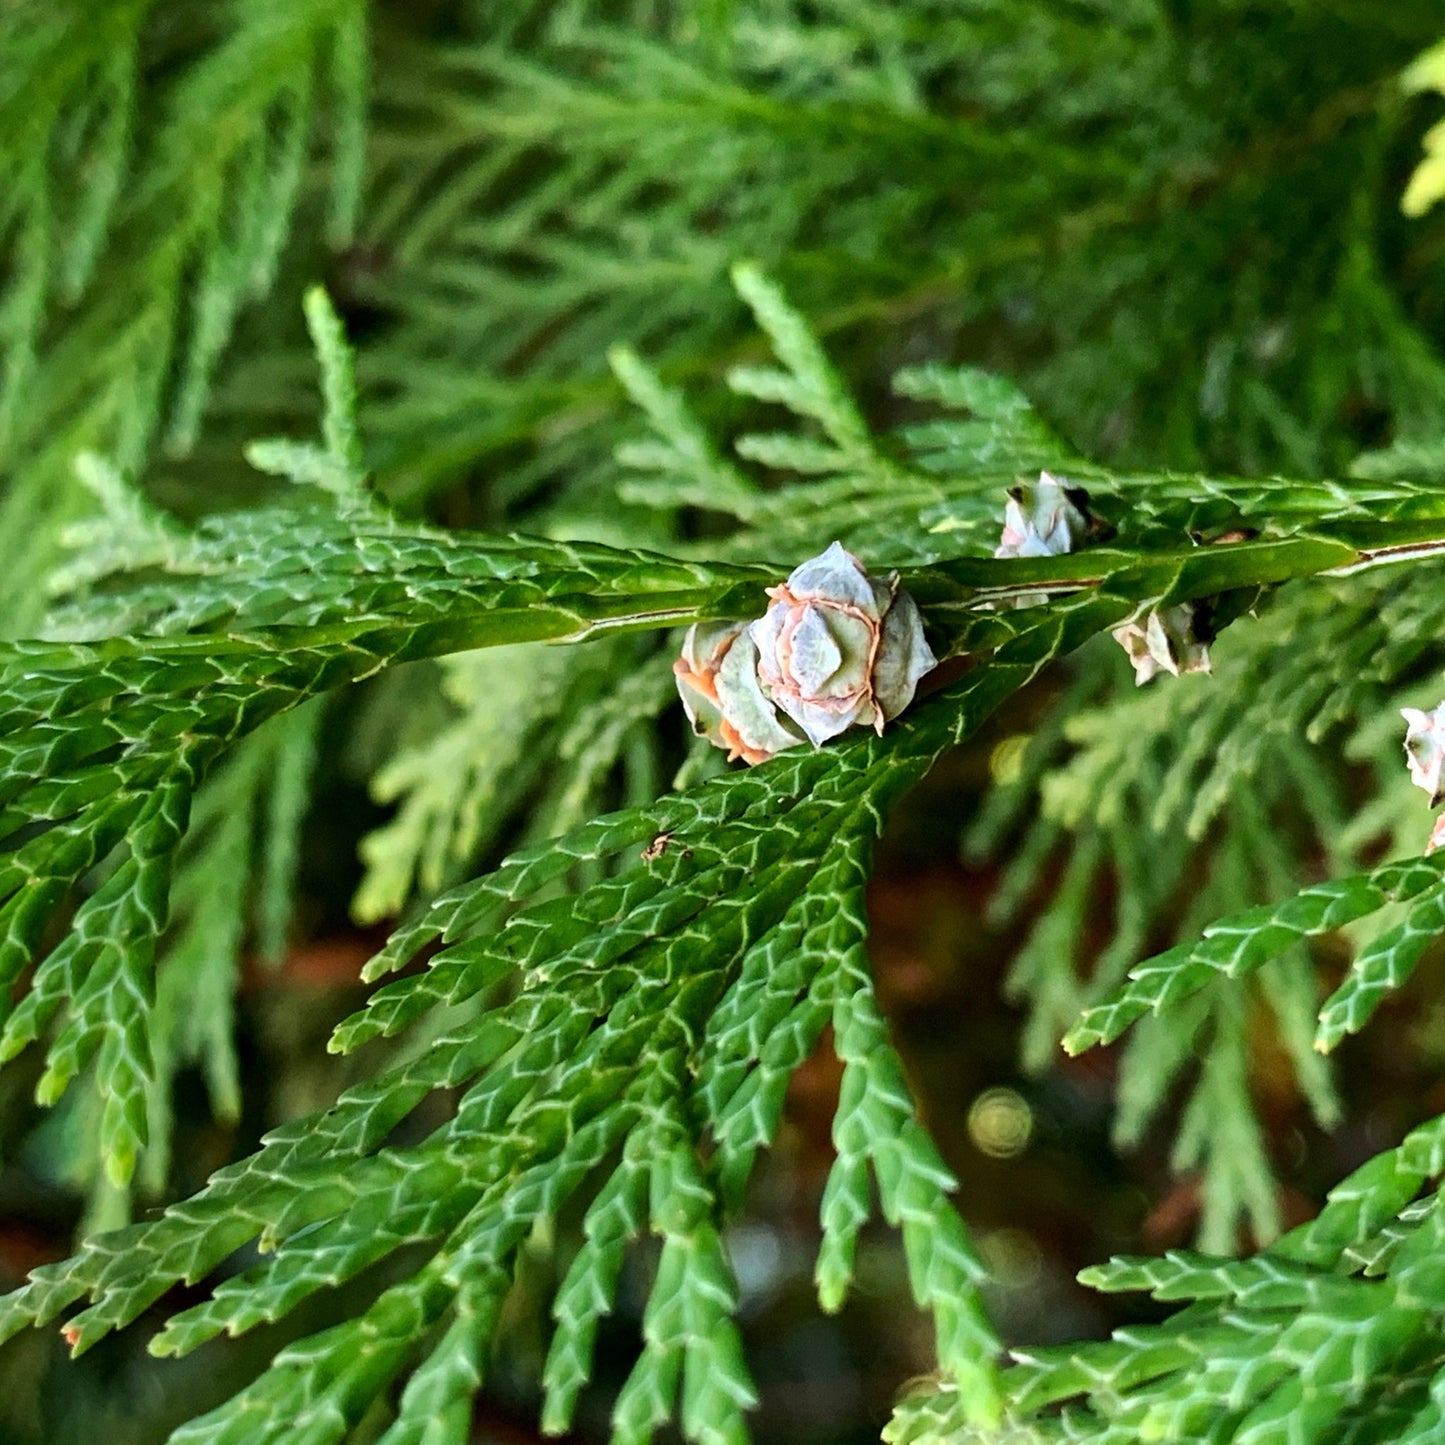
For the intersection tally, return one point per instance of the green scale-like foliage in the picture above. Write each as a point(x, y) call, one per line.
point(618, 1009)
point(1174, 224)
point(617, 987)
point(150, 173)
point(1064, 188)
point(1337, 1331)
point(1238, 945)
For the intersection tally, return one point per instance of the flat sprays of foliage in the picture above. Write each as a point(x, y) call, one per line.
point(649, 306)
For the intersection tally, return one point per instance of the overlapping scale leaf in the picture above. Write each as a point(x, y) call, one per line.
point(307, 565)
point(1335, 1332)
point(1382, 965)
point(614, 1218)
point(875, 1132)
point(1239, 945)
point(700, 973)
point(637, 980)
point(691, 1347)
point(99, 736)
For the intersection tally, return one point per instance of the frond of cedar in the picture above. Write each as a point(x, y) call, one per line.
point(149, 204)
point(630, 1042)
point(560, 207)
point(1337, 1331)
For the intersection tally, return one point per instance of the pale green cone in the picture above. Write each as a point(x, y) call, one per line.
point(1163, 641)
point(752, 729)
point(718, 683)
point(838, 649)
point(1425, 749)
point(1042, 521)
point(903, 658)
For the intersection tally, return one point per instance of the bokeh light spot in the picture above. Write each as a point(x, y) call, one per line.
point(1006, 761)
point(1000, 1123)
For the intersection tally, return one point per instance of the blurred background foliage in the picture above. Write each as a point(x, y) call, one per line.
point(1175, 224)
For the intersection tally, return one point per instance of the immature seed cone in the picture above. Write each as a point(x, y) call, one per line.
point(1044, 520)
point(1425, 749)
point(717, 679)
point(838, 648)
point(1164, 641)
